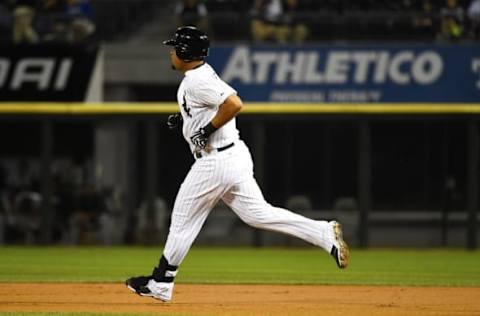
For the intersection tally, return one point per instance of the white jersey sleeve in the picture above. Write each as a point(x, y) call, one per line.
point(212, 93)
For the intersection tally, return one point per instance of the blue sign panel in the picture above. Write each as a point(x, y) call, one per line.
point(384, 73)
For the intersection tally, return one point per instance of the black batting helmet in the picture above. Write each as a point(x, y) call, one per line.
point(190, 43)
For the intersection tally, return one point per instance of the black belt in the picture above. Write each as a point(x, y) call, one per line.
point(199, 154)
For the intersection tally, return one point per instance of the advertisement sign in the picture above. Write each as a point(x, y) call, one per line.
point(351, 73)
point(45, 72)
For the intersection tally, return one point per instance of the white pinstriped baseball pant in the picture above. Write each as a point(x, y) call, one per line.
point(228, 175)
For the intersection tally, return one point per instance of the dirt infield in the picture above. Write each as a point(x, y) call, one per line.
point(195, 299)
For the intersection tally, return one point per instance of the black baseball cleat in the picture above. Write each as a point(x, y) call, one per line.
point(147, 286)
point(138, 284)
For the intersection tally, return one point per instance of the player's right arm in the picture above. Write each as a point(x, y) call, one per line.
point(226, 111)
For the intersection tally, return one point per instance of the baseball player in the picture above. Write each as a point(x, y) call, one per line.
point(223, 169)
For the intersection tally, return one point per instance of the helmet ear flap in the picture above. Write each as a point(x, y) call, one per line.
point(182, 51)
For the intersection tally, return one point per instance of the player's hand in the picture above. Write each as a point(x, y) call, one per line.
point(174, 120)
point(200, 138)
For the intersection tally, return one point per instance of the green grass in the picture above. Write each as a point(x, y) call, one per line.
point(243, 265)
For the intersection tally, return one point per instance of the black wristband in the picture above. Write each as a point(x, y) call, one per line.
point(209, 129)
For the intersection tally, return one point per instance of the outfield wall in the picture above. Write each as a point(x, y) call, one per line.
point(362, 159)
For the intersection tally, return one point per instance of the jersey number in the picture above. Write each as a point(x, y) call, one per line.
point(185, 106)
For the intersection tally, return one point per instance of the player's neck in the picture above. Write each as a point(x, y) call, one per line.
point(192, 65)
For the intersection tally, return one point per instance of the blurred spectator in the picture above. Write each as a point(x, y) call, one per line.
point(425, 22)
point(278, 21)
point(80, 14)
point(89, 204)
point(192, 12)
point(298, 31)
point(26, 217)
point(55, 28)
point(81, 212)
point(25, 176)
point(113, 220)
point(149, 227)
point(64, 189)
point(70, 21)
point(23, 15)
point(474, 16)
point(452, 21)
point(267, 23)
point(20, 205)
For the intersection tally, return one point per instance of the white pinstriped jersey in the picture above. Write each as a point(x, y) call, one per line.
point(199, 95)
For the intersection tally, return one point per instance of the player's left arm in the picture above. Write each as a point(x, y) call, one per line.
point(226, 111)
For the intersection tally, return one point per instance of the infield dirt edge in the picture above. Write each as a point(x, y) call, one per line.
point(224, 299)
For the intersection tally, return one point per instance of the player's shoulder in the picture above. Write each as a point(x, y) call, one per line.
point(204, 76)
point(201, 72)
